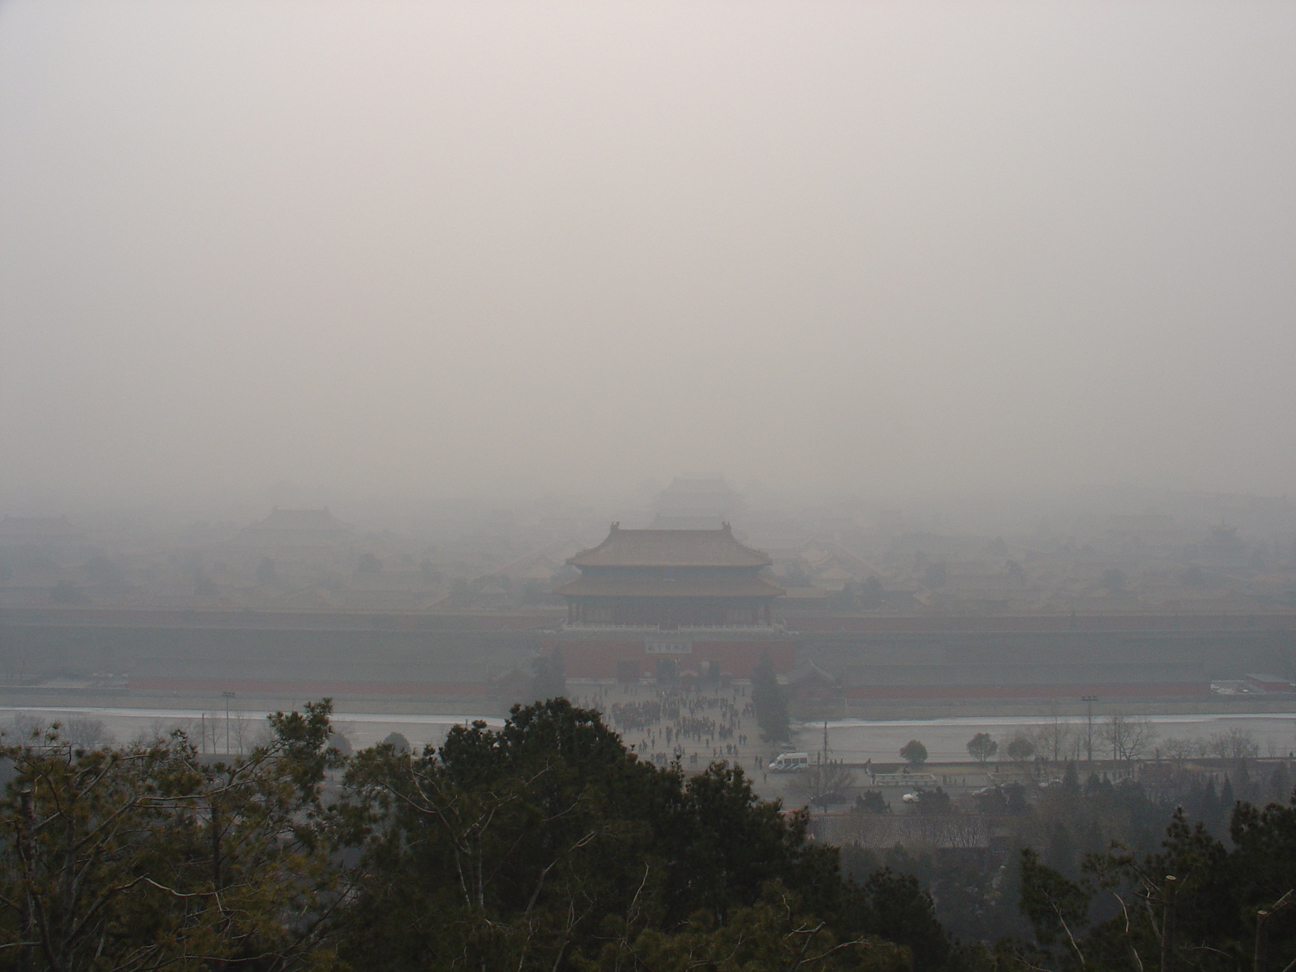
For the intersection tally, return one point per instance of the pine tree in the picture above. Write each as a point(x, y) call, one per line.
point(1208, 805)
point(1280, 785)
point(770, 701)
point(1071, 781)
point(1060, 852)
point(1226, 802)
point(550, 680)
point(1093, 839)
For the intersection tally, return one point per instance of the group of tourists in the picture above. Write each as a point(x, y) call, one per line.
point(635, 715)
point(690, 728)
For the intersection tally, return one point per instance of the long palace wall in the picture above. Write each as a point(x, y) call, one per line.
point(325, 653)
point(1048, 657)
point(875, 657)
point(606, 658)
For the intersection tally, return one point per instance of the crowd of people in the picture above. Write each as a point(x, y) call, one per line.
point(692, 728)
point(635, 715)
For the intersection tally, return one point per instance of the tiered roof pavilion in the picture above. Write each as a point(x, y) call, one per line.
point(670, 579)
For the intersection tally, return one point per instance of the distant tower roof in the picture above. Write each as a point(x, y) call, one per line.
point(301, 522)
point(691, 503)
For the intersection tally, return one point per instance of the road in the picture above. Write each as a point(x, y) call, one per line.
point(850, 740)
point(855, 740)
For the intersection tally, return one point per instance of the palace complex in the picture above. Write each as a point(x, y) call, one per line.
point(652, 602)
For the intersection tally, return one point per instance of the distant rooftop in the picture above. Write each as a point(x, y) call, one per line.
point(301, 521)
point(715, 485)
point(32, 528)
point(693, 587)
point(670, 548)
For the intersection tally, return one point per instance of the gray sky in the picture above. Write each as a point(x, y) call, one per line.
point(458, 247)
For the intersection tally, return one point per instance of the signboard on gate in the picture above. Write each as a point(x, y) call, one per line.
point(669, 647)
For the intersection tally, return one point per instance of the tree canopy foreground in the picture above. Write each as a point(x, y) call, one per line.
point(541, 844)
point(545, 844)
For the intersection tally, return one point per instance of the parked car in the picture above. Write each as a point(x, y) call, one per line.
point(790, 763)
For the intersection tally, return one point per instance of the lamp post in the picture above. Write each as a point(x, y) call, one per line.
point(228, 696)
point(1261, 964)
point(1090, 700)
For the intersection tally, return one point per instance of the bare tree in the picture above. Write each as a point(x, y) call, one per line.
point(25, 728)
point(246, 732)
point(1075, 747)
point(1237, 746)
point(1053, 738)
point(954, 830)
point(1179, 750)
point(160, 730)
point(1129, 737)
point(351, 730)
point(824, 782)
point(208, 729)
point(87, 733)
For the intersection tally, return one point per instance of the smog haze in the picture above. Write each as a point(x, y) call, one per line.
point(449, 249)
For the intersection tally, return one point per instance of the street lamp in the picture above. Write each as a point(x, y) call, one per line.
point(1090, 699)
point(228, 696)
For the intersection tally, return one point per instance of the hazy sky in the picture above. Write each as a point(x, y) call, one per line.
point(459, 247)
